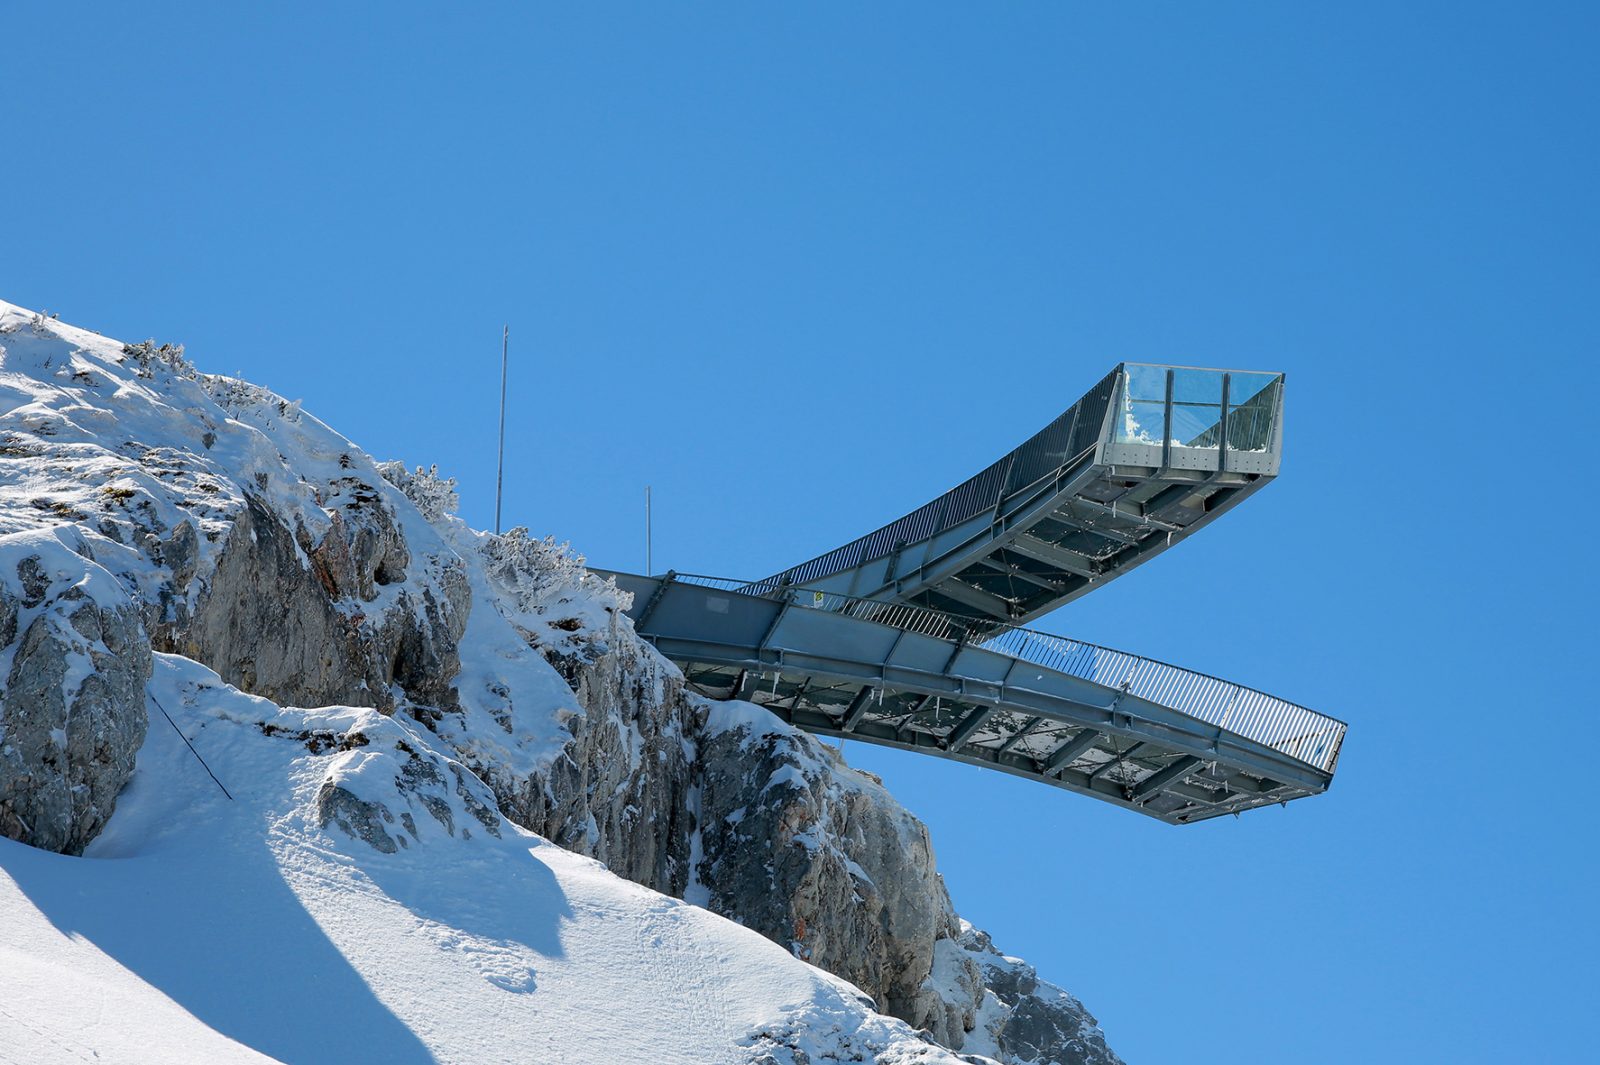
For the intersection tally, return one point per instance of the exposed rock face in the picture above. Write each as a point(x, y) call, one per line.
point(269, 627)
point(72, 715)
point(724, 805)
point(1037, 1021)
point(282, 616)
point(623, 788)
point(818, 857)
point(424, 786)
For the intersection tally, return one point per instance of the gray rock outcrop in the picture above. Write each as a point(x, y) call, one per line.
point(817, 857)
point(623, 789)
point(1036, 1020)
point(724, 805)
point(72, 713)
point(287, 618)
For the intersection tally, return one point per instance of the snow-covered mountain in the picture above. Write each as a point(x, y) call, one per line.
point(300, 767)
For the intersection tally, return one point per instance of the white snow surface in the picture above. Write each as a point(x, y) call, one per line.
point(202, 928)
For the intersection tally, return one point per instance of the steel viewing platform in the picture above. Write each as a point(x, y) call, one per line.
point(909, 637)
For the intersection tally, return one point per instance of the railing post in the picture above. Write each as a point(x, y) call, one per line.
point(1166, 427)
point(1222, 427)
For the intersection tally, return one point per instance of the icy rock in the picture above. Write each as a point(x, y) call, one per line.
point(358, 818)
point(1038, 1021)
point(273, 622)
point(621, 791)
point(72, 713)
point(821, 859)
point(382, 768)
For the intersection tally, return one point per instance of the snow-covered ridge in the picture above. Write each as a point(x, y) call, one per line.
point(468, 688)
point(246, 927)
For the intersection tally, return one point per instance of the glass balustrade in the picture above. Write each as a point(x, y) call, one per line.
point(1181, 416)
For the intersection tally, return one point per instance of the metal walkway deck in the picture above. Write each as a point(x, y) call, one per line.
point(1148, 456)
point(908, 637)
point(1165, 741)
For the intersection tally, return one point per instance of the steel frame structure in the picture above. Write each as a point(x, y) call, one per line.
point(1082, 502)
point(909, 637)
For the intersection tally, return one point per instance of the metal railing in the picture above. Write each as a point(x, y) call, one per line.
point(1061, 443)
point(1301, 733)
point(1294, 730)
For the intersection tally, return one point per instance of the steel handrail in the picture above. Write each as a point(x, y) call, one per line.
point(1300, 732)
point(1075, 433)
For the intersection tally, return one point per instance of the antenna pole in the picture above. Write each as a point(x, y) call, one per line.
point(649, 562)
point(500, 466)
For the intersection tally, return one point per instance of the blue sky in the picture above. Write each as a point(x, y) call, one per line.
point(803, 268)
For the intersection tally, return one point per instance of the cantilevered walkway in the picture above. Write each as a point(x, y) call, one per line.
point(1148, 456)
point(909, 637)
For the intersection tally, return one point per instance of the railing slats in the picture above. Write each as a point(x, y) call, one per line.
point(1294, 730)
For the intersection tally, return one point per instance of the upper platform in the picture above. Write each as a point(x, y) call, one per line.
point(1149, 455)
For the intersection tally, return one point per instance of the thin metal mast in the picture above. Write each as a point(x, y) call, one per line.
point(649, 563)
point(500, 466)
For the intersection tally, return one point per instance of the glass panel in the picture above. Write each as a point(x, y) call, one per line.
point(1196, 407)
point(1252, 407)
point(1142, 418)
point(1146, 382)
point(1144, 421)
point(1196, 410)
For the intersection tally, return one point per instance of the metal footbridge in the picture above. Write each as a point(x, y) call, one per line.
point(911, 636)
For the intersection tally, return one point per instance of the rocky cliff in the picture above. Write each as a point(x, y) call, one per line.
point(146, 505)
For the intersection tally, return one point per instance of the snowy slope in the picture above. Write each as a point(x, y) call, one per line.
point(358, 898)
point(203, 929)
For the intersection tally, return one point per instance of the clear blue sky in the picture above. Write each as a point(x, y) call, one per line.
point(802, 268)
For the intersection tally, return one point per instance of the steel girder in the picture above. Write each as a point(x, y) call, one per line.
point(836, 675)
point(1080, 503)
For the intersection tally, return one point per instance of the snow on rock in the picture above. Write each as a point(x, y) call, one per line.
point(464, 679)
point(256, 538)
point(201, 928)
point(809, 851)
point(1024, 1019)
point(858, 891)
point(74, 662)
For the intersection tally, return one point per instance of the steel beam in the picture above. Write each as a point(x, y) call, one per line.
point(1118, 759)
point(655, 599)
point(1135, 719)
point(1067, 752)
point(1019, 735)
point(801, 689)
point(992, 605)
point(856, 710)
point(1050, 554)
point(1038, 580)
point(1125, 512)
point(1162, 777)
point(966, 727)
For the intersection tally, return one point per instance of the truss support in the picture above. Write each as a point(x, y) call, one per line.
point(966, 727)
point(1117, 759)
point(1064, 754)
point(856, 710)
point(1162, 777)
point(1051, 555)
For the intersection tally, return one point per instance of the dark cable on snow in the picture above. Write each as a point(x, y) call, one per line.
point(189, 745)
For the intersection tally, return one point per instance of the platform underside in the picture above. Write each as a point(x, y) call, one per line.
point(1076, 534)
point(1142, 775)
point(1167, 742)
